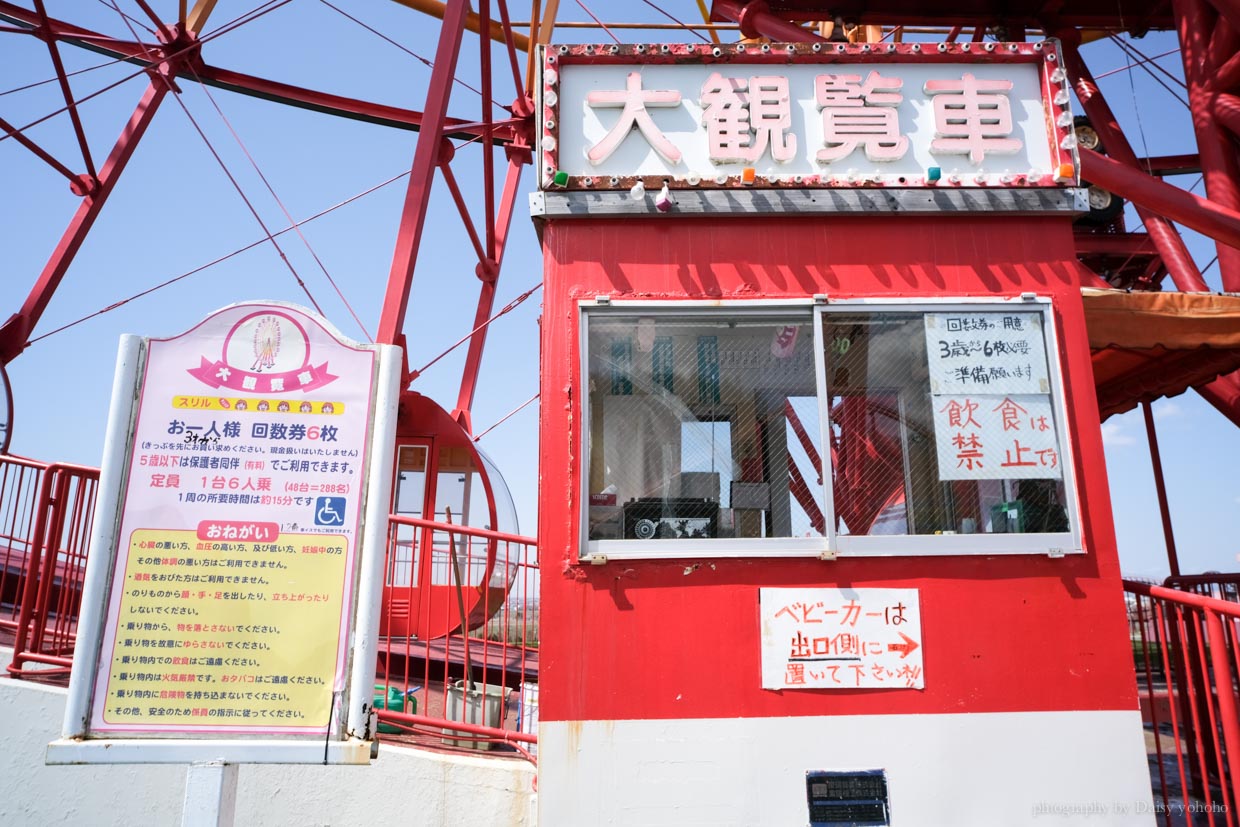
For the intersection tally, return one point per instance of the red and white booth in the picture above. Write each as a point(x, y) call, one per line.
point(824, 519)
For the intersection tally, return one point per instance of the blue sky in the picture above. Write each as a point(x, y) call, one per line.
point(175, 210)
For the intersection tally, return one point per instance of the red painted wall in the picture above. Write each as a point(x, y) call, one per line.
point(639, 639)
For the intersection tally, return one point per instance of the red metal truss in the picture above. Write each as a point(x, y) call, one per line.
point(15, 332)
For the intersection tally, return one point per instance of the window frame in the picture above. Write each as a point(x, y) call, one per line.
point(831, 545)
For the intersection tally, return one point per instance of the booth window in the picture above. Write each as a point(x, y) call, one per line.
point(943, 422)
point(710, 426)
point(692, 416)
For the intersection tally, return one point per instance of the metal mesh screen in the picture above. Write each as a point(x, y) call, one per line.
point(942, 422)
point(703, 425)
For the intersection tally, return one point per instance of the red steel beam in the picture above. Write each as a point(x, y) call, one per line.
point(43, 154)
point(335, 105)
point(1171, 164)
point(65, 90)
point(1160, 487)
point(1224, 393)
point(1220, 223)
point(488, 272)
point(1218, 157)
point(756, 20)
point(425, 159)
point(1118, 244)
point(15, 332)
point(1170, 245)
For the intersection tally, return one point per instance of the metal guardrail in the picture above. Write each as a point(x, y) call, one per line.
point(1187, 658)
point(46, 512)
point(458, 636)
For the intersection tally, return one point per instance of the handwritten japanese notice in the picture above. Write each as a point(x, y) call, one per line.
point(239, 536)
point(841, 639)
point(1000, 352)
point(990, 392)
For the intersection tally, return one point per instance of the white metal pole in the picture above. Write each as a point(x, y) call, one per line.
point(374, 542)
point(113, 471)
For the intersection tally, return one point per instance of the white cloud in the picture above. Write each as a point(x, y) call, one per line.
point(1113, 435)
point(1166, 409)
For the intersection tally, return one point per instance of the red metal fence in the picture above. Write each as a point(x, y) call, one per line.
point(1188, 665)
point(476, 591)
point(46, 513)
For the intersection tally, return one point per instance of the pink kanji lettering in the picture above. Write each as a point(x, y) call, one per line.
point(856, 114)
point(969, 122)
point(633, 100)
point(745, 117)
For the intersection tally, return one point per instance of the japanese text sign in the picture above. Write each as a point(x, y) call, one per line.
point(990, 393)
point(238, 546)
point(841, 639)
point(986, 353)
point(829, 115)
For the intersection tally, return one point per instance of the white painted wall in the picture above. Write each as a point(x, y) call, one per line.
point(405, 786)
point(948, 770)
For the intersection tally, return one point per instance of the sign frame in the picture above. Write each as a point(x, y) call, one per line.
point(351, 728)
point(1062, 174)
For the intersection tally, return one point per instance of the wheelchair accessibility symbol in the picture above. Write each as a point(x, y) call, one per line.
point(329, 511)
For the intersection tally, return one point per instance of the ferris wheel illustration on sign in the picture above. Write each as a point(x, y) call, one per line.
point(266, 343)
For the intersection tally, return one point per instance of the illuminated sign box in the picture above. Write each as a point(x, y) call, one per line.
point(806, 117)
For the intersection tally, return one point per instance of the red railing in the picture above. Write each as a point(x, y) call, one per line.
point(1188, 663)
point(47, 512)
point(474, 593)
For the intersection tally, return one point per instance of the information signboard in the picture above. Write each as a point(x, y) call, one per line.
point(841, 639)
point(250, 476)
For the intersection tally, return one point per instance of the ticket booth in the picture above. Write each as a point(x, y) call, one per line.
point(824, 516)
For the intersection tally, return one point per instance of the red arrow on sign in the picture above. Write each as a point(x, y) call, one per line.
point(903, 648)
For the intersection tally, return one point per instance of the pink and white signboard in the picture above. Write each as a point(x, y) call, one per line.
point(231, 598)
point(827, 115)
point(841, 639)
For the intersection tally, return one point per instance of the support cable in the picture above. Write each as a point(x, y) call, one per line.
point(237, 186)
point(1130, 66)
point(67, 74)
point(221, 259)
point(512, 305)
point(600, 23)
point(225, 29)
point(507, 416)
point(133, 20)
point(679, 23)
point(1149, 61)
point(1145, 66)
point(410, 52)
point(292, 222)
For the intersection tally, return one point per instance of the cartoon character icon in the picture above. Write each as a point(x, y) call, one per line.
point(241, 405)
point(328, 408)
point(283, 406)
point(306, 407)
point(263, 405)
